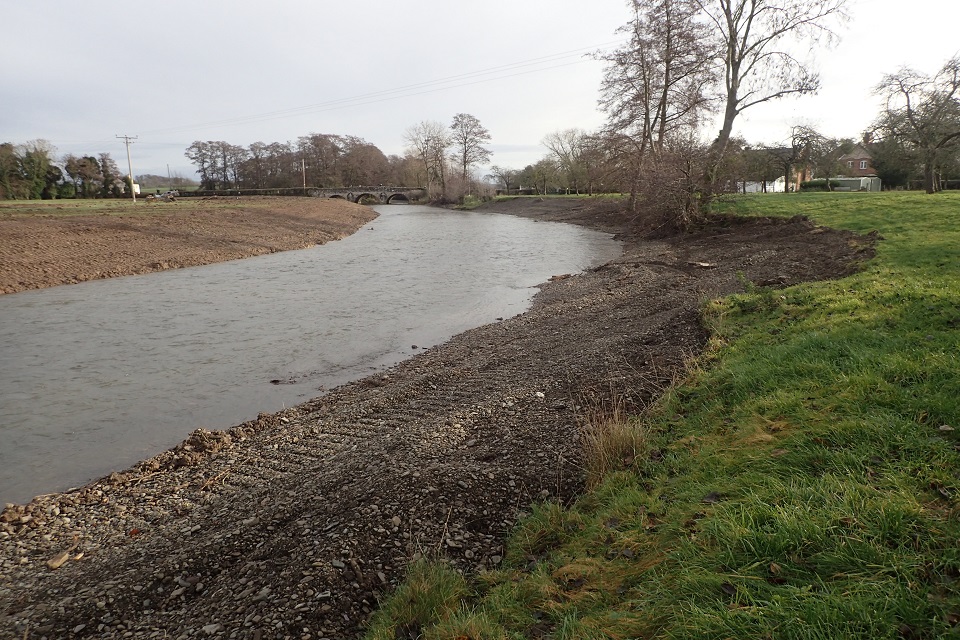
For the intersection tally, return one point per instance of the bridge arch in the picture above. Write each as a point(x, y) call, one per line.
point(382, 193)
point(373, 196)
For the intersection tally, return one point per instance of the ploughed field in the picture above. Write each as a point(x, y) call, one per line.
point(49, 243)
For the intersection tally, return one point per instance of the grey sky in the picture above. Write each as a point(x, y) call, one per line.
point(182, 70)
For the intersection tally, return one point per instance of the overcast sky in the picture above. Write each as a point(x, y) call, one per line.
point(244, 71)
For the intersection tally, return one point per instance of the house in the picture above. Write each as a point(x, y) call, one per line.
point(763, 186)
point(857, 163)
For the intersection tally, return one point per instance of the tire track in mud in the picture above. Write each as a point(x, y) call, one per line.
point(303, 519)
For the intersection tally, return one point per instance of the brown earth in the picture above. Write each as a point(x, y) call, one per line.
point(44, 244)
point(295, 524)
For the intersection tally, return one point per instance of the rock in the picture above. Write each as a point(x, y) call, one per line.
point(58, 560)
point(268, 539)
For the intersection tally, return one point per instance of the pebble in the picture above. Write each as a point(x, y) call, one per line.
point(320, 516)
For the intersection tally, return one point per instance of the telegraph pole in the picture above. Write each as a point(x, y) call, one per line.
point(127, 141)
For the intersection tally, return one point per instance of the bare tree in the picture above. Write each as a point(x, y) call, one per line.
point(667, 195)
point(467, 137)
point(762, 164)
point(543, 172)
point(201, 154)
point(657, 84)
point(758, 65)
point(320, 155)
point(503, 175)
point(428, 141)
point(655, 91)
point(363, 163)
point(280, 163)
point(255, 169)
point(923, 112)
point(567, 147)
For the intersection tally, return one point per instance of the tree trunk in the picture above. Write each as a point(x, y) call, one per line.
point(929, 182)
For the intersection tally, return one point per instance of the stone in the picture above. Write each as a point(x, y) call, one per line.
point(58, 560)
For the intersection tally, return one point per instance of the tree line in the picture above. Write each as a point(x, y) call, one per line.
point(314, 160)
point(439, 158)
point(31, 171)
point(686, 62)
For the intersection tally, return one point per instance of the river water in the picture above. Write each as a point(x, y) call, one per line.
point(98, 375)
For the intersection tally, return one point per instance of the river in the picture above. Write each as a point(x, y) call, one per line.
point(99, 375)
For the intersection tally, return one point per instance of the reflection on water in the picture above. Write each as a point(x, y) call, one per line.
point(99, 375)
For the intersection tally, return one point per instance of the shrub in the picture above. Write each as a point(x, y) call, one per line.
point(819, 185)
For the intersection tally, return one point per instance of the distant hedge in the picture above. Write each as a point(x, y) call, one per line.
point(819, 185)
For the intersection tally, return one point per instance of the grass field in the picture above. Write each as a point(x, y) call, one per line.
point(803, 481)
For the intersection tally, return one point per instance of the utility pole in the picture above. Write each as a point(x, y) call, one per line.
point(126, 140)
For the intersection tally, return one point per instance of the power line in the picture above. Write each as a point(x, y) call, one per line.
point(420, 88)
point(127, 141)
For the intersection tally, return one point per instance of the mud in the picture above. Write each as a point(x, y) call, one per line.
point(295, 524)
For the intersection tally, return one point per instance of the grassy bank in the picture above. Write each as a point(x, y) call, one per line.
point(802, 482)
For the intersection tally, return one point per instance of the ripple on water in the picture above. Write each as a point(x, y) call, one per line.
point(101, 374)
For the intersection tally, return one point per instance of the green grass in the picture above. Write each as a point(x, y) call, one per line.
point(804, 480)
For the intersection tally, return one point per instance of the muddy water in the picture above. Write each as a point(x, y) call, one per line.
point(99, 375)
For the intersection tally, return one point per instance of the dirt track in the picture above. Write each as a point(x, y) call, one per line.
point(293, 525)
point(53, 243)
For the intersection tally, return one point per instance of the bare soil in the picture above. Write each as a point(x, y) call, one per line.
point(295, 524)
point(64, 242)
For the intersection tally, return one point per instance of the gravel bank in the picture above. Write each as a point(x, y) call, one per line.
point(293, 525)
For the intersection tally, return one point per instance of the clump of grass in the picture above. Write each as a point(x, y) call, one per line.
point(432, 593)
point(611, 441)
point(470, 202)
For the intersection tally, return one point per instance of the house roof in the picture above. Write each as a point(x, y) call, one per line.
point(859, 152)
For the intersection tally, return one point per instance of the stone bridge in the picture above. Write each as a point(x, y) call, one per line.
point(382, 194)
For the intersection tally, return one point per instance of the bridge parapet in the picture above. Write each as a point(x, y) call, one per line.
point(380, 193)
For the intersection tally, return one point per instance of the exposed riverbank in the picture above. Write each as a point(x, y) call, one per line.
point(294, 524)
point(50, 243)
